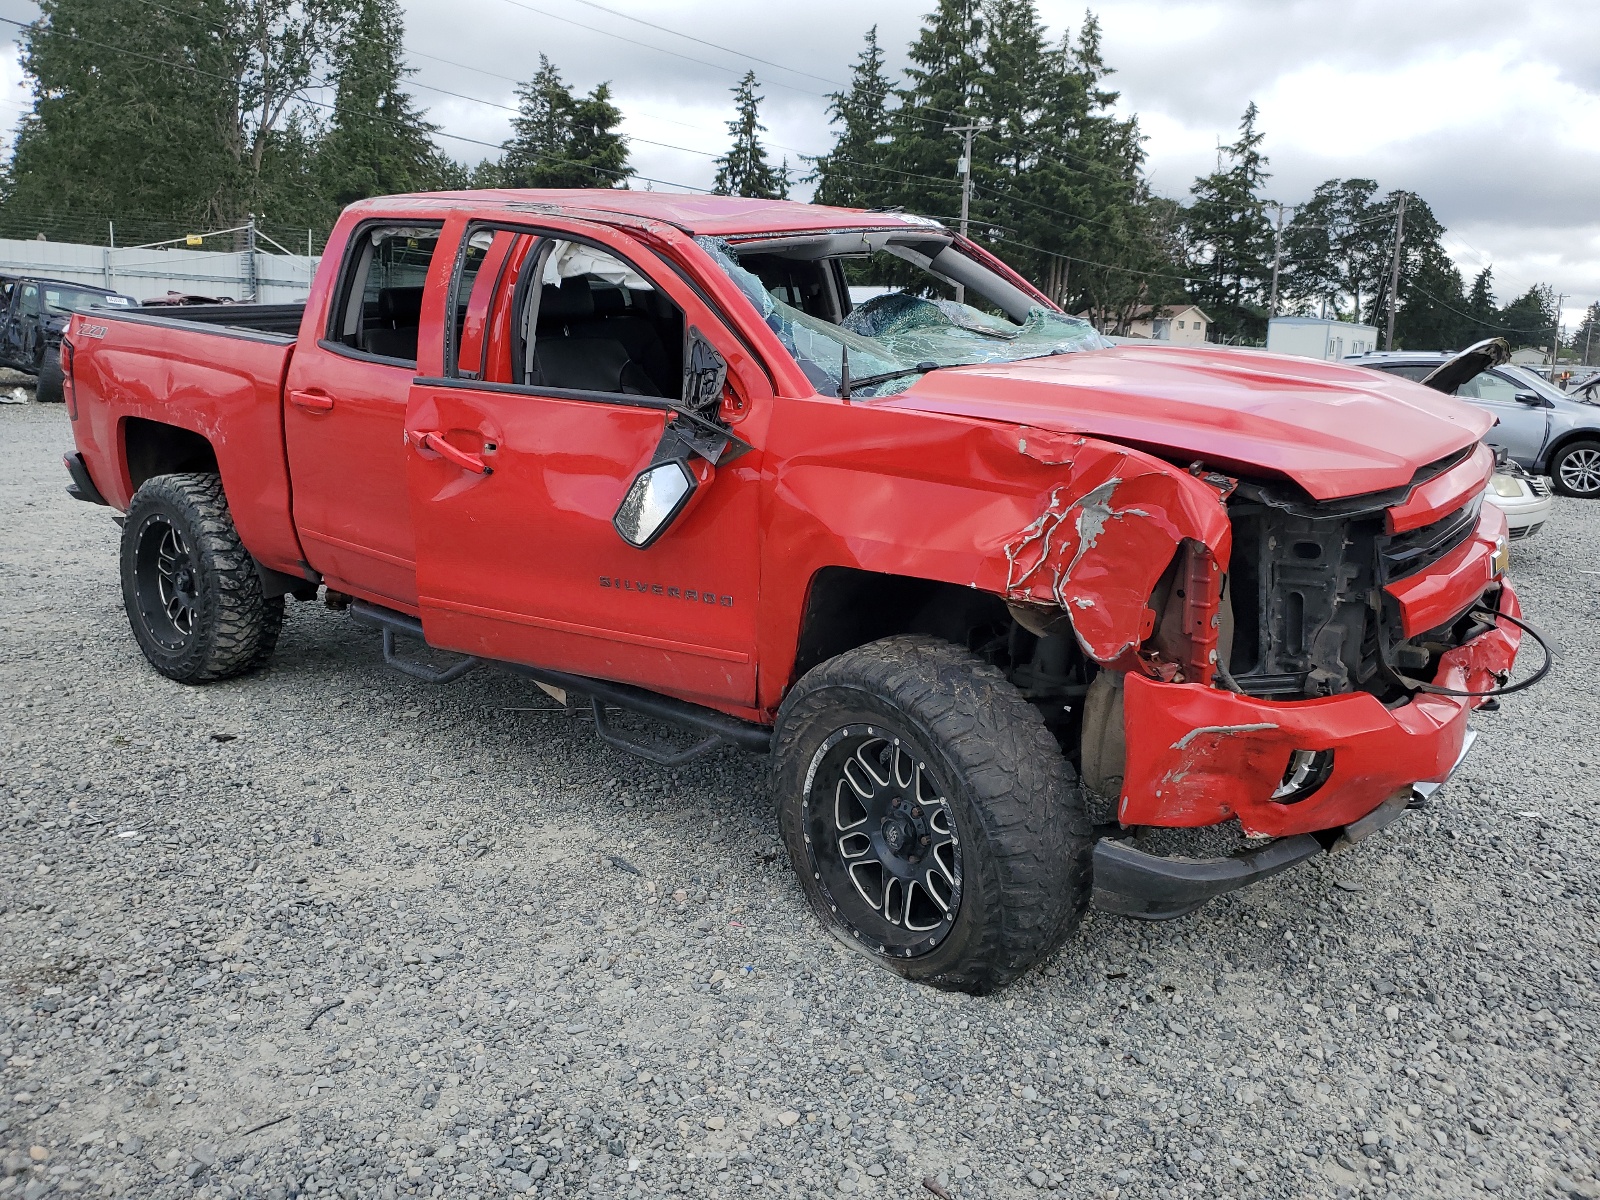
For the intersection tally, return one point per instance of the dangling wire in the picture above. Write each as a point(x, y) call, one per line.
point(1504, 690)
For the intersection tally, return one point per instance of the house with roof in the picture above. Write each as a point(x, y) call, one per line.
point(1180, 324)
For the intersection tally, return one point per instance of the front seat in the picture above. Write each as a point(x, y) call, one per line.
point(586, 364)
point(399, 315)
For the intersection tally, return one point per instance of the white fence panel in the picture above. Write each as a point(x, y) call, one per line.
point(148, 273)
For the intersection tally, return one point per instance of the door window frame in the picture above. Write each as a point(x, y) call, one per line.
point(330, 339)
point(451, 378)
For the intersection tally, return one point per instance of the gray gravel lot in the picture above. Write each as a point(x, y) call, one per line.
point(326, 930)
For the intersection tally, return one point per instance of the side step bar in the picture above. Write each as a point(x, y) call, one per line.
point(718, 727)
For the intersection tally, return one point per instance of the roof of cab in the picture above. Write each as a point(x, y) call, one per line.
point(714, 216)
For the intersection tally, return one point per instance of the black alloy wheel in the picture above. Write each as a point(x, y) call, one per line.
point(191, 590)
point(882, 840)
point(165, 587)
point(933, 822)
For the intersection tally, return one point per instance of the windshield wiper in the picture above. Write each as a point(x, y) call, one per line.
point(848, 385)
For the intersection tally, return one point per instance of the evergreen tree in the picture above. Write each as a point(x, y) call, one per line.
point(1337, 247)
point(744, 169)
point(1232, 238)
point(377, 143)
point(1080, 195)
point(169, 115)
point(560, 140)
point(851, 174)
point(1586, 338)
point(943, 87)
point(1433, 300)
point(1531, 319)
point(1481, 306)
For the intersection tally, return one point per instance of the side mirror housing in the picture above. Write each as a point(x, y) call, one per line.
point(705, 374)
point(659, 493)
point(1532, 400)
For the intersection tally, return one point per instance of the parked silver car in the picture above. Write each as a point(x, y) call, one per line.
point(1541, 428)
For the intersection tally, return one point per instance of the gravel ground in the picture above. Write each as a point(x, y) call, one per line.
point(327, 930)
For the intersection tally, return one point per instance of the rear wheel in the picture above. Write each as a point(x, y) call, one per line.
point(934, 824)
point(1575, 470)
point(190, 588)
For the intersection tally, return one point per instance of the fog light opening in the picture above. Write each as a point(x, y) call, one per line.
point(1307, 771)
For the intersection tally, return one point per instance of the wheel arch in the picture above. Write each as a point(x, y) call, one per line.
point(848, 607)
point(151, 448)
point(1565, 440)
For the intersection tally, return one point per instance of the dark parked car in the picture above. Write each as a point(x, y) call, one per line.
point(33, 315)
point(1540, 427)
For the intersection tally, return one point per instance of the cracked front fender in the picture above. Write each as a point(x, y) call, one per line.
point(1105, 536)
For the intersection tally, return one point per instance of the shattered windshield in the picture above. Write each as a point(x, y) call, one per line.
point(893, 305)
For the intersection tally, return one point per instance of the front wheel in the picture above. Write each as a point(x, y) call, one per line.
point(934, 824)
point(50, 387)
point(1575, 470)
point(190, 587)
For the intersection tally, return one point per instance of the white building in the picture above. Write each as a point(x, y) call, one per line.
point(1313, 337)
point(1182, 325)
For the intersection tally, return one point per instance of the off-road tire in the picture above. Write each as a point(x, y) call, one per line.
point(231, 627)
point(50, 388)
point(1024, 830)
point(1562, 469)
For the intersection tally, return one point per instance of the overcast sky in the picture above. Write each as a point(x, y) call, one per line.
point(1489, 109)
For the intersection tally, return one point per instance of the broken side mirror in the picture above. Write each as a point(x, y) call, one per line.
point(685, 461)
point(705, 373)
point(658, 494)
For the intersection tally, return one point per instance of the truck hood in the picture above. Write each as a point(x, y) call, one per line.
point(1335, 430)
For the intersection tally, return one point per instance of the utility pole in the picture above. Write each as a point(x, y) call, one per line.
point(1555, 338)
point(1394, 272)
point(966, 177)
point(1277, 257)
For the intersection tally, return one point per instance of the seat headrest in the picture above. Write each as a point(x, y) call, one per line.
point(573, 300)
point(401, 305)
point(609, 302)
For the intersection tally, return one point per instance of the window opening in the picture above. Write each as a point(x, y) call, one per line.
point(382, 310)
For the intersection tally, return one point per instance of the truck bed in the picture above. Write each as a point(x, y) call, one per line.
point(279, 320)
point(144, 379)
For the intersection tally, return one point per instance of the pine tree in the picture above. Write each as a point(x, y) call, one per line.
point(596, 154)
point(1586, 338)
point(559, 140)
point(744, 169)
point(162, 116)
point(1080, 195)
point(1481, 306)
point(851, 174)
point(1232, 238)
point(377, 143)
point(943, 87)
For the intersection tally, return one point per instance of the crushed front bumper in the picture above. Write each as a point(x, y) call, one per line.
point(1199, 756)
point(1155, 887)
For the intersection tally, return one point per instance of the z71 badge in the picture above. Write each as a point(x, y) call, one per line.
point(693, 595)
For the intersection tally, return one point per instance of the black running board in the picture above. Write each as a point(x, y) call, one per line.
point(719, 727)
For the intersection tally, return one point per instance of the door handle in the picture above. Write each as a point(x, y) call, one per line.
point(312, 400)
point(434, 440)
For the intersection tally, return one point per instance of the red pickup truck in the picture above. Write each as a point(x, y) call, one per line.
point(997, 596)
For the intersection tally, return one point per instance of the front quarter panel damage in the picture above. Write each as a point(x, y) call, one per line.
point(1105, 536)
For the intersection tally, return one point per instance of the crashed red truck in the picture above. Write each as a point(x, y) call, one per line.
point(996, 596)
